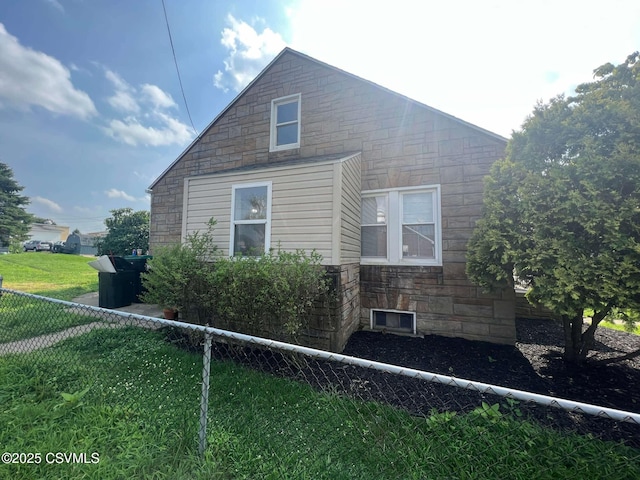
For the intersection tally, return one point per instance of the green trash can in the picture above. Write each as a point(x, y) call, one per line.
point(139, 264)
point(115, 289)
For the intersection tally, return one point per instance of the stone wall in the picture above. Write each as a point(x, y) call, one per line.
point(524, 309)
point(444, 305)
point(402, 144)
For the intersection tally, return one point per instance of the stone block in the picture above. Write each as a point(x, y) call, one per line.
point(442, 305)
point(478, 329)
point(472, 310)
point(504, 309)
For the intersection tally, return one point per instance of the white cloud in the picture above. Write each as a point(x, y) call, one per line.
point(249, 52)
point(114, 193)
point(147, 177)
point(169, 131)
point(146, 122)
point(123, 98)
point(48, 204)
point(157, 97)
point(31, 78)
point(123, 101)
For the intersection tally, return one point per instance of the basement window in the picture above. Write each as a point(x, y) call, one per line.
point(393, 321)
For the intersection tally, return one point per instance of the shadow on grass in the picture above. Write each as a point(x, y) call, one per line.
point(67, 294)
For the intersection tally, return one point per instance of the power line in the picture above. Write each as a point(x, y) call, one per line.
point(173, 51)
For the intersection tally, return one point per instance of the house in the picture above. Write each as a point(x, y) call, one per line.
point(48, 232)
point(387, 189)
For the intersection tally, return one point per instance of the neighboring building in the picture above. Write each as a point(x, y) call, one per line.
point(387, 189)
point(87, 242)
point(47, 232)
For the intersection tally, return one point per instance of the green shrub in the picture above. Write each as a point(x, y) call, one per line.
point(180, 277)
point(270, 295)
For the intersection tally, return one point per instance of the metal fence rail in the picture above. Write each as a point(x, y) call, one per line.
point(39, 328)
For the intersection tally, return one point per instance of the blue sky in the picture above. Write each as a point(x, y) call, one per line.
point(91, 110)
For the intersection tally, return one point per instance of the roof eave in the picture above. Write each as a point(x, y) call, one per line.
point(222, 112)
point(495, 136)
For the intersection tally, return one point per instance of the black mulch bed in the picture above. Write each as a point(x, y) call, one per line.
point(535, 364)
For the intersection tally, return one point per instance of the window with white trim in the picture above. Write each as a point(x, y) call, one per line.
point(401, 226)
point(374, 226)
point(250, 219)
point(285, 123)
point(393, 321)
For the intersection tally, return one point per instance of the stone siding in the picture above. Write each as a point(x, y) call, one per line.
point(524, 309)
point(402, 144)
point(443, 306)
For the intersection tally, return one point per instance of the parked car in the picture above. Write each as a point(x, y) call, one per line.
point(37, 245)
point(43, 246)
point(30, 245)
point(58, 247)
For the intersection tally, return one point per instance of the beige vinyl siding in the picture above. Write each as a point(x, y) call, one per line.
point(205, 200)
point(301, 209)
point(302, 212)
point(350, 211)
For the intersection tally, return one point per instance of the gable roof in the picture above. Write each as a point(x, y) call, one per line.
point(336, 69)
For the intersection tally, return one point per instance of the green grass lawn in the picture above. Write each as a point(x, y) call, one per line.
point(140, 415)
point(22, 318)
point(140, 412)
point(54, 275)
point(620, 327)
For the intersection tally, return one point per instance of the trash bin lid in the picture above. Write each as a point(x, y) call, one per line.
point(121, 264)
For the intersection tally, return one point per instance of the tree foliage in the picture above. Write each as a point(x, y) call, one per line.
point(126, 230)
point(14, 219)
point(562, 210)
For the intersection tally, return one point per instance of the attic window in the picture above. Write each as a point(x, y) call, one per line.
point(285, 123)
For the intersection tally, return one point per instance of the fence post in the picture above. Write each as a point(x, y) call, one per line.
point(204, 398)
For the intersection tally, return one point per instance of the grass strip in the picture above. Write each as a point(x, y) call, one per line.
point(54, 275)
point(134, 399)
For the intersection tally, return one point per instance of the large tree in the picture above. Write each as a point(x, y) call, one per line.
point(14, 219)
point(126, 230)
point(562, 210)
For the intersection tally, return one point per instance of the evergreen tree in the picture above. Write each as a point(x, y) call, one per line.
point(14, 219)
point(562, 210)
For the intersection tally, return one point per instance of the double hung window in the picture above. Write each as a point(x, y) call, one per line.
point(401, 226)
point(285, 123)
point(250, 219)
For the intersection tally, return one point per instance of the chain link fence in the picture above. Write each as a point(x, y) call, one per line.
point(143, 393)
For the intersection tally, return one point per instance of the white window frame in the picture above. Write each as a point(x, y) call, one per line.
point(266, 221)
point(373, 326)
point(394, 226)
point(273, 146)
